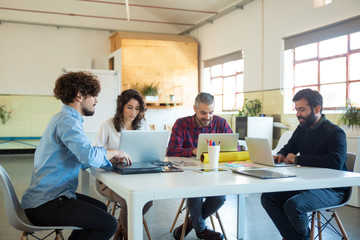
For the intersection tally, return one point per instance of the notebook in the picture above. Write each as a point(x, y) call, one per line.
point(146, 148)
point(263, 173)
point(260, 152)
point(228, 142)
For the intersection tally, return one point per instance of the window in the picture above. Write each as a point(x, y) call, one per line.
point(329, 65)
point(224, 79)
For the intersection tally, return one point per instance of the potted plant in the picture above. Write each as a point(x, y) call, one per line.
point(351, 117)
point(4, 114)
point(151, 91)
point(250, 108)
point(249, 123)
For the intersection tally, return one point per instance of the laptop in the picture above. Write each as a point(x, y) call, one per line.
point(147, 149)
point(136, 168)
point(260, 152)
point(228, 142)
point(263, 173)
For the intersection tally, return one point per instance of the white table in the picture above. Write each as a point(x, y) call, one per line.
point(138, 189)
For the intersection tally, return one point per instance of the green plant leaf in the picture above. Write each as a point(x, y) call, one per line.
point(351, 115)
point(250, 108)
point(4, 114)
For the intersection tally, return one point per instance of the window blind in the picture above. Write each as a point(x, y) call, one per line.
point(344, 27)
point(223, 59)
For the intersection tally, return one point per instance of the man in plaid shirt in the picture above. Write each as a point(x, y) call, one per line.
point(183, 143)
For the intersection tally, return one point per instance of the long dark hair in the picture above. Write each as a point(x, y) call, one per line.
point(123, 99)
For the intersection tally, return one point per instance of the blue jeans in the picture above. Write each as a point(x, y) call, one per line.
point(288, 210)
point(200, 209)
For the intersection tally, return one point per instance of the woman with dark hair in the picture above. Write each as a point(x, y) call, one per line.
point(129, 115)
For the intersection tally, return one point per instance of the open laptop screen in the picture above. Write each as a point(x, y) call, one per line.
point(228, 142)
point(145, 145)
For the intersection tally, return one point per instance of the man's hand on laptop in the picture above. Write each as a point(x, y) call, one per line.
point(117, 156)
point(279, 158)
point(290, 158)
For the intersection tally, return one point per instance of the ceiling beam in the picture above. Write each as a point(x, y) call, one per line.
point(228, 10)
point(150, 6)
point(94, 16)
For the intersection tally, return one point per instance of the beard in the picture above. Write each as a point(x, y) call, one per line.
point(87, 113)
point(309, 120)
point(203, 122)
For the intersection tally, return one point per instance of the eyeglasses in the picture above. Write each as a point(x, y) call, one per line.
point(162, 164)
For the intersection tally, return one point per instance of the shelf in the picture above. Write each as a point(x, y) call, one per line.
point(162, 104)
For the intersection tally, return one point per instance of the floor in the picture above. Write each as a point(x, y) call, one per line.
point(161, 215)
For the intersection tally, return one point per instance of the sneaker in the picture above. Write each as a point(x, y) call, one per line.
point(209, 234)
point(177, 231)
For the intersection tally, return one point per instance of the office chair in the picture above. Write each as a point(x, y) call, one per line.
point(115, 205)
point(326, 223)
point(182, 207)
point(16, 214)
point(284, 138)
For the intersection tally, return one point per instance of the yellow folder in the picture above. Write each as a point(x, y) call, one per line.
point(228, 156)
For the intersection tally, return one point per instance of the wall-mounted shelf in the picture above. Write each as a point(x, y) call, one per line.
point(162, 104)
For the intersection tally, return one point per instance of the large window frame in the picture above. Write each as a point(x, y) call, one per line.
point(223, 77)
point(320, 61)
point(342, 89)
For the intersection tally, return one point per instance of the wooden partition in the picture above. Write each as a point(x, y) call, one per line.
point(171, 61)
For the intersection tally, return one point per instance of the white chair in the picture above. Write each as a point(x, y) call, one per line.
point(16, 214)
point(282, 141)
point(326, 223)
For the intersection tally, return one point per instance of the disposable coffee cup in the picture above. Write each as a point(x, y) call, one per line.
point(214, 152)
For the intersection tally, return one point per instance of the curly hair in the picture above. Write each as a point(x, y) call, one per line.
point(68, 85)
point(123, 99)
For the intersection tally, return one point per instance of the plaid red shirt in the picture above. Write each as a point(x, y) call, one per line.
point(185, 133)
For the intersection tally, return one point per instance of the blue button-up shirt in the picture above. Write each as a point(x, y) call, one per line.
point(63, 151)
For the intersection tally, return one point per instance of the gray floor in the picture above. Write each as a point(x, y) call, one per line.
point(161, 215)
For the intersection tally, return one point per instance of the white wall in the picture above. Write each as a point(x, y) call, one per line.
point(32, 57)
point(242, 30)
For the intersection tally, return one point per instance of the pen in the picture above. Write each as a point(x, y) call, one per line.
point(213, 143)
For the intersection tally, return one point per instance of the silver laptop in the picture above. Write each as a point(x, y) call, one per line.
point(260, 152)
point(263, 173)
point(145, 145)
point(228, 142)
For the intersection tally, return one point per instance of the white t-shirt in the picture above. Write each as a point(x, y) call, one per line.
point(109, 138)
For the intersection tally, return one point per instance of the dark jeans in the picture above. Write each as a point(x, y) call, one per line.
point(288, 210)
point(84, 212)
point(201, 210)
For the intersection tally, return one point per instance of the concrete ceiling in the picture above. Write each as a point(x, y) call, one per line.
point(157, 16)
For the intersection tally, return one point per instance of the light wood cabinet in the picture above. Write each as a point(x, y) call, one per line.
point(168, 60)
